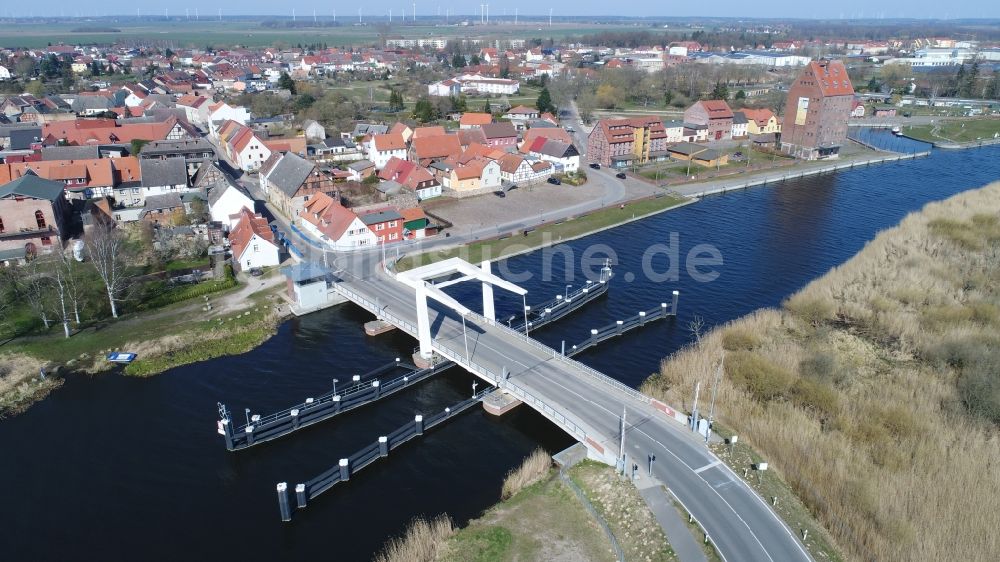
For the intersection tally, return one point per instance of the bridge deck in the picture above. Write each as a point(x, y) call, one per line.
point(589, 405)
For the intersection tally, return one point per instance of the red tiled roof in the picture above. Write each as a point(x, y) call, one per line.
point(329, 216)
point(440, 146)
point(831, 77)
point(717, 109)
point(476, 119)
point(249, 225)
point(388, 142)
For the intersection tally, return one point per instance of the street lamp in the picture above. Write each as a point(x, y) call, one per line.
point(526, 309)
point(474, 384)
point(248, 416)
point(652, 458)
point(566, 293)
point(335, 381)
point(465, 334)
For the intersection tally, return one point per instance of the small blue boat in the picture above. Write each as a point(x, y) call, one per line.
point(119, 357)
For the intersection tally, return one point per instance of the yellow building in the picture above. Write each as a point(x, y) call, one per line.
point(761, 121)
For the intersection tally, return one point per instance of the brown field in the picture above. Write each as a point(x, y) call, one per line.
point(875, 391)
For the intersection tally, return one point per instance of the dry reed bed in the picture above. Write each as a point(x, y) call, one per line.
point(420, 543)
point(874, 391)
point(535, 467)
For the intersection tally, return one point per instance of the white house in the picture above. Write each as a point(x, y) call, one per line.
point(226, 200)
point(674, 130)
point(563, 155)
point(223, 111)
point(252, 242)
point(4, 73)
point(445, 88)
point(381, 148)
point(313, 130)
point(162, 177)
point(335, 224)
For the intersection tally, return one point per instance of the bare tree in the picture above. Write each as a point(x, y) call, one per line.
point(72, 275)
point(696, 326)
point(108, 249)
point(32, 285)
point(56, 288)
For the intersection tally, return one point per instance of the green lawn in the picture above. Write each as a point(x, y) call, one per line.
point(966, 130)
point(546, 235)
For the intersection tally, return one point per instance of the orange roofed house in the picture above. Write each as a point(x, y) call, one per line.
point(817, 110)
point(252, 242)
point(714, 114)
point(335, 224)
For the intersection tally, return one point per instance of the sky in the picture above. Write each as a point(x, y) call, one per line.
point(861, 9)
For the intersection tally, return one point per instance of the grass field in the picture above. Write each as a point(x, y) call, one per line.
point(184, 33)
point(873, 392)
point(966, 130)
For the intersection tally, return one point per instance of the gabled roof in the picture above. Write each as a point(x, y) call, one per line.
point(376, 217)
point(163, 201)
point(169, 171)
point(290, 173)
point(220, 189)
point(761, 116)
point(246, 228)
point(329, 216)
point(509, 163)
point(30, 185)
point(522, 110)
point(387, 142)
point(470, 136)
point(831, 77)
point(717, 109)
point(440, 146)
point(499, 130)
point(431, 131)
point(475, 119)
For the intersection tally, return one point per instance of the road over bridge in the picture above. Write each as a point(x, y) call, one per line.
point(590, 406)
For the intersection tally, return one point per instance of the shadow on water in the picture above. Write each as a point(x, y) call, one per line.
point(115, 468)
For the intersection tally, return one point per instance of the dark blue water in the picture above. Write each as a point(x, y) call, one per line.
point(115, 468)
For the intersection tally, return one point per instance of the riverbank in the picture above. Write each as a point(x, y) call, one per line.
point(549, 234)
point(240, 319)
point(712, 187)
point(955, 134)
point(873, 391)
point(544, 520)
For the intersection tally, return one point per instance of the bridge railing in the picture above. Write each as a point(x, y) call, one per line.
point(516, 390)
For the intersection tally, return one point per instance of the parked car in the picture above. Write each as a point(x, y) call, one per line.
point(570, 130)
point(256, 271)
point(500, 194)
point(555, 181)
point(595, 166)
point(621, 175)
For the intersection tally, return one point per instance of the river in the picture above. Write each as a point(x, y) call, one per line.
point(116, 468)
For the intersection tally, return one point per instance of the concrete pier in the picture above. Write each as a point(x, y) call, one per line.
point(499, 403)
point(376, 327)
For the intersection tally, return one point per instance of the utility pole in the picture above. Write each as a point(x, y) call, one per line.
point(715, 391)
point(694, 410)
point(621, 446)
point(550, 17)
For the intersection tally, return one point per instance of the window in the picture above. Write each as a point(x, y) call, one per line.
point(392, 224)
point(40, 219)
point(379, 226)
point(393, 236)
point(46, 241)
point(256, 248)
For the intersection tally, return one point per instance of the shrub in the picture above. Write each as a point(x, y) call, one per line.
point(815, 395)
point(979, 387)
point(814, 310)
point(739, 338)
point(178, 294)
point(763, 379)
point(957, 232)
point(821, 365)
point(534, 467)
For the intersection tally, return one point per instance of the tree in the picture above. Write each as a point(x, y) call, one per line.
point(720, 92)
point(474, 61)
point(395, 100)
point(458, 61)
point(285, 82)
point(487, 108)
point(424, 110)
point(668, 96)
point(544, 103)
point(740, 95)
point(25, 66)
point(109, 251)
point(35, 88)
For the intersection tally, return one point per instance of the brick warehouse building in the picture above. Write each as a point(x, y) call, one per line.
point(33, 215)
point(817, 110)
point(623, 142)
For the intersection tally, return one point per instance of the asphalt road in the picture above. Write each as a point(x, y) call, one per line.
point(738, 521)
